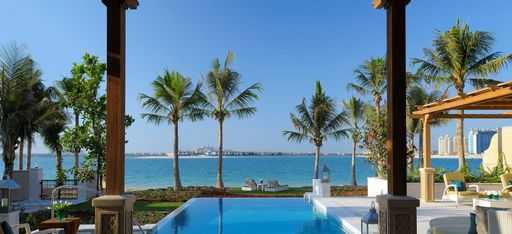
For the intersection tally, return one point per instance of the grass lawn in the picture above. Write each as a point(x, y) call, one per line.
point(293, 192)
point(139, 206)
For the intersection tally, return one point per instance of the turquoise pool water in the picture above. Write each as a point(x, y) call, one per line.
point(247, 215)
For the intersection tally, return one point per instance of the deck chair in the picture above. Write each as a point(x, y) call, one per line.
point(8, 229)
point(506, 182)
point(455, 188)
point(274, 186)
point(251, 185)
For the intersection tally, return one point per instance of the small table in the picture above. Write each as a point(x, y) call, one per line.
point(70, 225)
point(481, 205)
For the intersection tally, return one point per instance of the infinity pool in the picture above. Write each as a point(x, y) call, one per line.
point(247, 215)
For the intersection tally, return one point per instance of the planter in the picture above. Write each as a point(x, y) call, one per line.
point(377, 186)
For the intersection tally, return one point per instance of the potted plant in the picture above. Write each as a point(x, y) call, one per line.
point(60, 207)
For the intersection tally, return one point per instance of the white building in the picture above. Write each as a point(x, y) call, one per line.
point(447, 145)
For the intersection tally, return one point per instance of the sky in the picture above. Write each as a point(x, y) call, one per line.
point(286, 45)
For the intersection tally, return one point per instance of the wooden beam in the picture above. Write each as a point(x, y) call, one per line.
point(464, 116)
point(461, 103)
point(396, 116)
point(116, 24)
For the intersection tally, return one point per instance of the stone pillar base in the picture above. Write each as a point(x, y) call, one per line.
point(427, 187)
point(114, 214)
point(397, 214)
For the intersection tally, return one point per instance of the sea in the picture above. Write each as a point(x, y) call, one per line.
point(143, 172)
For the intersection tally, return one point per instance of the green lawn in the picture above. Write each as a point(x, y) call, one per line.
point(293, 192)
point(139, 206)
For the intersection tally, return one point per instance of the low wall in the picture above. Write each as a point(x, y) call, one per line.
point(413, 189)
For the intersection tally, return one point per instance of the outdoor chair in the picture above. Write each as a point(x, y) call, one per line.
point(274, 186)
point(8, 229)
point(456, 189)
point(506, 182)
point(251, 185)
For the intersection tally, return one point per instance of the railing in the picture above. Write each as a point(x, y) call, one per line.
point(47, 187)
point(57, 190)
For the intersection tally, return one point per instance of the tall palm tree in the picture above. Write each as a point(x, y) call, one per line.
point(354, 110)
point(371, 80)
point(224, 99)
point(174, 99)
point(51, 133)
point(316, 122)
point(417, 95)
point(18, 73)
point(458, 56)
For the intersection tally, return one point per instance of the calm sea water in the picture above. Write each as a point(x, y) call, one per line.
point(156, 172)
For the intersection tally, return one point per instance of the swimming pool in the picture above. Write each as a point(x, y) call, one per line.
point(247, 215)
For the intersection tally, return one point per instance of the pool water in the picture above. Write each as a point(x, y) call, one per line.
point(247, 215)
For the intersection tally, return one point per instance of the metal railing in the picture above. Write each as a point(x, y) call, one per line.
point(48, 186)
point(55, 192)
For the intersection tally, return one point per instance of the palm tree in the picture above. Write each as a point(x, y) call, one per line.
point(417, 96)
point(174, 99)
point(51, 133)
point(371, 79)
point(224, 99)
point(458, 56)
point(355, 114)
point(18, 73)
point(317, 122)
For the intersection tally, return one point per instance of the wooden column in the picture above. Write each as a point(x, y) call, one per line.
point(116, 56)
point(427, 144)
point(397, 212)
point(396, 116)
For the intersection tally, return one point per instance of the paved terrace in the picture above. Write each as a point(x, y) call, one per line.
point(349, 210)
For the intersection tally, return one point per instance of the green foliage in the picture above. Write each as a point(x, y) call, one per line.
point(375, 141)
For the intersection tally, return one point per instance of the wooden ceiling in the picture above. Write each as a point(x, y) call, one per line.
point(493, 97)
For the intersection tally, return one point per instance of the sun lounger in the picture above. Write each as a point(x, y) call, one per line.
point(274, 186)
point(251, 185)
point(456, 189)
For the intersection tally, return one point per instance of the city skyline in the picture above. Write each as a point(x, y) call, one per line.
point(287, 49)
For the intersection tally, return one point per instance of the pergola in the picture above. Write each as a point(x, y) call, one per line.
point(493, 97)
point(113, 212)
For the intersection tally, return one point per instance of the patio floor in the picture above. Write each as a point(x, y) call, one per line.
point(349, 210)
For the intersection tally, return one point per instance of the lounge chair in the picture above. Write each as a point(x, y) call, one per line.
point(274, 186)
point(8, 229)
point(455, 188)
point(251, 185)
point(506, 182)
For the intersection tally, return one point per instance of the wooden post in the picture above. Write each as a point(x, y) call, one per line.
point(396, 116)
point(397, 212)
point(116, 56)
point(113, 212)
point(427, 144)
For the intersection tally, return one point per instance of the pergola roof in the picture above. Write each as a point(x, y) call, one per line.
point(493, 97)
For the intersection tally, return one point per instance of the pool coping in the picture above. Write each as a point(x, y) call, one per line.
point(344, 226)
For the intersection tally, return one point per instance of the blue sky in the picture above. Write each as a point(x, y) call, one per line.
point(286, 45)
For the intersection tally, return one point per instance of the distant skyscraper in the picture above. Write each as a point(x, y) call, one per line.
point(447, 145)
point(479, 140)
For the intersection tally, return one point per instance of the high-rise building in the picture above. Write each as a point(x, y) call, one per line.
point(447, 145)
point(479, 140)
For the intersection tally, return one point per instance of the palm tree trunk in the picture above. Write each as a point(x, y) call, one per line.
point(9, 156)
point(220, 184)
point(317, 162)
point(177, 181)
point(420, 148)
point(58, 167)
point(410, 158)
point(460, 139)
point(377, 100)
point(29, 151)
point(77, 150)
point(20, 155)
point(354, 146)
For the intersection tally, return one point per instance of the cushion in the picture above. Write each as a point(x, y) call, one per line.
point(459, 184)
point(510, 182)
point(6, 228)
point(474, 194)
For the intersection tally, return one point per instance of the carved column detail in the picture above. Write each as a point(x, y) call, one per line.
point(113, 214)
point(397, 214)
